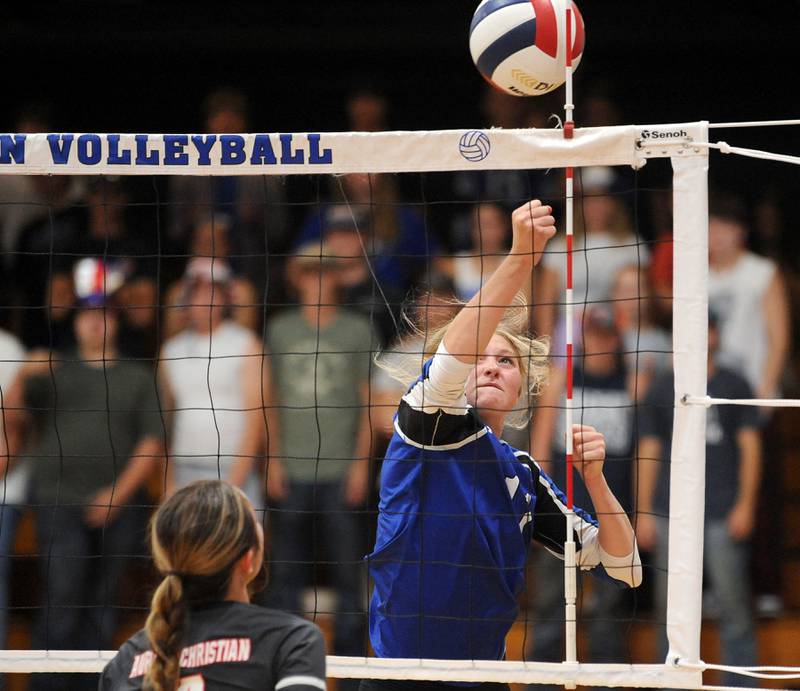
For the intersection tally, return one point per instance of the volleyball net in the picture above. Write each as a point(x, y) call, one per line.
point(268, 239)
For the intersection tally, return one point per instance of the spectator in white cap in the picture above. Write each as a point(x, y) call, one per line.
point(211, 239)
point(215, 383)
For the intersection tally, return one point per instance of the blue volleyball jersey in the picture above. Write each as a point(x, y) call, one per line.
point(458, 507)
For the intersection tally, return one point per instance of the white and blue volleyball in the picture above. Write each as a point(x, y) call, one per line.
point(520, 46)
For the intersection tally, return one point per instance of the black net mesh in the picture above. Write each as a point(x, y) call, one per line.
point(164, 330)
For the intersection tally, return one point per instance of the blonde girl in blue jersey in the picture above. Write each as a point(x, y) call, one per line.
point(458, 505)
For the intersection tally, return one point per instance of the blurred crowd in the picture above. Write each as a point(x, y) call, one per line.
point(159, 331)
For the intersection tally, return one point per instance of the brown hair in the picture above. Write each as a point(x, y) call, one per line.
point(196, 537)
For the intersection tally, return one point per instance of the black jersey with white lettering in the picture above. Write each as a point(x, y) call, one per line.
point(231, 645)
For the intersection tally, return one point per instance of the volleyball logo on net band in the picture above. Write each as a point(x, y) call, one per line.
point(474, 145)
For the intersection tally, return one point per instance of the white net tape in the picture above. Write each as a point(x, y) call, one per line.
point(638, 676)
point(655, 676)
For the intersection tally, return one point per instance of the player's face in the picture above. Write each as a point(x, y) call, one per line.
point(495, 382)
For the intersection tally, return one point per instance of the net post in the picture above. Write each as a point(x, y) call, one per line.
point(687, 459)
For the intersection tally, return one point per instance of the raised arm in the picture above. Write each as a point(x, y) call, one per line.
point(616, 533)
point(608, 541)
point(618, 551)
point(472, 329)
point(434, 412)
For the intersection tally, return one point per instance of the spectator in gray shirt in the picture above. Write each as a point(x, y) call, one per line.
point(321, 357)
point(89, 423)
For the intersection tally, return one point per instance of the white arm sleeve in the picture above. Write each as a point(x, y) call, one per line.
point(443, 388)
point(627, 569)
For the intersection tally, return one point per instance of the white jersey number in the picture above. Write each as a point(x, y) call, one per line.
point(193, 683)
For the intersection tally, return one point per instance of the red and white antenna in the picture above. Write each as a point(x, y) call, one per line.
point(570, 564)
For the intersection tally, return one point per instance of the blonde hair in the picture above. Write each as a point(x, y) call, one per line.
point(531, 353)
point(196, 537)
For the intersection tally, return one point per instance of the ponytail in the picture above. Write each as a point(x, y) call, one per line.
point(165, 625)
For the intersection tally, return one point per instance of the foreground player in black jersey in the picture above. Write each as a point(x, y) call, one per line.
point(202, 633)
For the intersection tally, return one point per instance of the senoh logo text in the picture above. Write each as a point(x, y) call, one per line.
point(664, 134)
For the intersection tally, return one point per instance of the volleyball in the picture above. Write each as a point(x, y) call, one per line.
point(474, 145)
point(520, 46)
